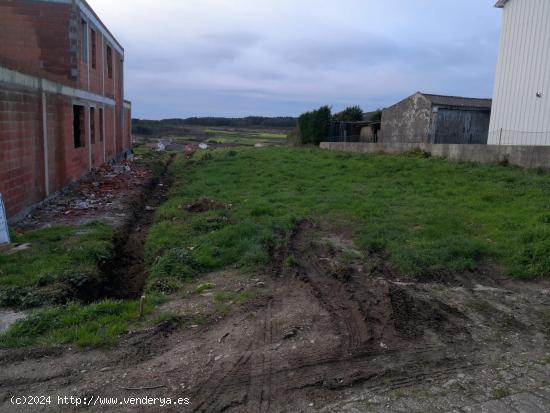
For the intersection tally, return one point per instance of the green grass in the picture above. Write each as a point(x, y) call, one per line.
point(427, 215)
point(59, 260)
point(93, 325)
point(204, 287)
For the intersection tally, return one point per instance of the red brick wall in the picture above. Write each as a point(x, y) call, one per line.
point(45, 40)
point(21, 160)
point(35, 38)
point(97, 147)
point(96, 75)
point(66, 163)
point(109, 82)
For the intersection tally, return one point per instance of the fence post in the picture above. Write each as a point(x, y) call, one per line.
point(500, 138)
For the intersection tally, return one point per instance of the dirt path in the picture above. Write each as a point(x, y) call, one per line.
point(327, 336)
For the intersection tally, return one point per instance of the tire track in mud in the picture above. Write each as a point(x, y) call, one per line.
point(381, 345)
point(334, 297)
point(248, 381)
point(220, 383)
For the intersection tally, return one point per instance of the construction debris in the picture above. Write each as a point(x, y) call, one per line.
point(101, 195)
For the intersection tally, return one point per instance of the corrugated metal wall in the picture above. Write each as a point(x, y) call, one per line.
point(523, 70)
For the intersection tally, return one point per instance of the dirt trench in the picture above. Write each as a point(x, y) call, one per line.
point(124, 274)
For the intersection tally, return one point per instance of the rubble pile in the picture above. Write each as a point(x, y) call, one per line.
point(101, 195)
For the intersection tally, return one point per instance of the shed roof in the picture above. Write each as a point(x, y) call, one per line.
point(501, 3)
point(458, 101)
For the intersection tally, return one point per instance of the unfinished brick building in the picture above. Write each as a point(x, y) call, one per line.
point(62, 107)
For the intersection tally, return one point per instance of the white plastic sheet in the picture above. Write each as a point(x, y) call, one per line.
point(4, 232)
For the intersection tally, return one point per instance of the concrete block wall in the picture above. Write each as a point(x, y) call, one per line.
point(523, 156)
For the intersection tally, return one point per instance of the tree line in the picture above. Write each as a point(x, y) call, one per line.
point(150, 127)
point(314, 126)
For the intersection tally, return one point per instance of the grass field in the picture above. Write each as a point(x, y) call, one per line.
point(427, 216)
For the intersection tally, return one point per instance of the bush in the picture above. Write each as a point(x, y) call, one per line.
point(314, 126)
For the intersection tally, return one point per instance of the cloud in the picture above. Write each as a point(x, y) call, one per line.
point(267, 57)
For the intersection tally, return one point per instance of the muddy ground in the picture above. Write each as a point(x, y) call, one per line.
point(339, 331)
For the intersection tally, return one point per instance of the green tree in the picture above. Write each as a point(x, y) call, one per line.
point(350, 114)
point(314, 126)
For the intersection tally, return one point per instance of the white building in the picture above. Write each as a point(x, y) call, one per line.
point(521, 101)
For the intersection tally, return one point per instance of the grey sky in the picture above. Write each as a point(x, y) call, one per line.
point(281, 57)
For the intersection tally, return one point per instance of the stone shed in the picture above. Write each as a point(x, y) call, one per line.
point(425, 118)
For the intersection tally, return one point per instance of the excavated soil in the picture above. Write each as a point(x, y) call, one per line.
point(124, 273)
point(318, 336)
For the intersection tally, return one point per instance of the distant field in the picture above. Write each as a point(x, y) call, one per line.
point(245, 137)
point(224, 135)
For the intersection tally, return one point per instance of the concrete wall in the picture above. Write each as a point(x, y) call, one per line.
point(522, 71)
point(407, 121)
point(524, 156)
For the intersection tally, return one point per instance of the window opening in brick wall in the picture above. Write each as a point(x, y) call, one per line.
point(109, 62)
point(78, 126)
point(84, 30)
point(92, 125)
point(101, 124)
point(94, 50)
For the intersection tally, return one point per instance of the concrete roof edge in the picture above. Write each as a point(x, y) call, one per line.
point(85, 7)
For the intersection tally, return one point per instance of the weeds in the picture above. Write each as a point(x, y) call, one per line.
point(93, 325)
point(500, 393)
point(204, 287)
point(60, 265)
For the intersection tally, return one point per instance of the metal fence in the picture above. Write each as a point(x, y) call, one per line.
point(512, 137)
point(349, 132)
